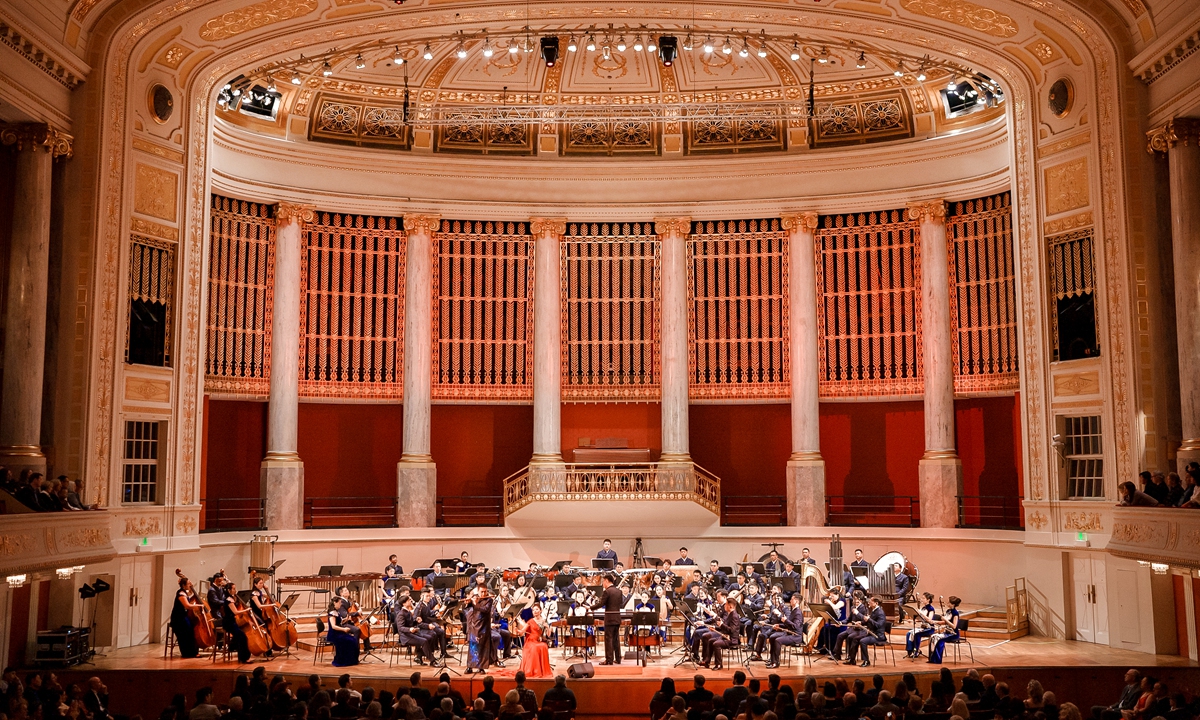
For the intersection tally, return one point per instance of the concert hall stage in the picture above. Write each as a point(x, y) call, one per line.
point(1076, 671)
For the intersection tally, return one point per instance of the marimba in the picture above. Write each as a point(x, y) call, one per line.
point(364, 587)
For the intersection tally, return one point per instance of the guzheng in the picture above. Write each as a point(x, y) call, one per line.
point(364, 587)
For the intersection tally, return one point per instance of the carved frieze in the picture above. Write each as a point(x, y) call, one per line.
point(155, 192)
point(1080, 220)
point(142, 526)
point(1082, 521)
point(83, 538)
point(1037, 520)
point(1067, 186)
point(965, 14)
point(252, 17)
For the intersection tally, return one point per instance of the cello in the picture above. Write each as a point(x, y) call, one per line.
point(279, 627)
point(202, 623)
point(256, 638)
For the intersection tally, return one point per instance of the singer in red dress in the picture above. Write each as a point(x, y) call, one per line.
point(535, 656)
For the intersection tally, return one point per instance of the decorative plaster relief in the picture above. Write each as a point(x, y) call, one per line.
point(1066, 143)
point(15, 544)
point(147, 390)
point(1067, 186)
point(1084, 383)
point(173, 56)
point(965, 14)
point(1083, 521)
point(153, 229)
point(268, 12)
point(1072, 222)
point(84, 538)
point(1138, 533)
point(155, 192)
point(1037, 520)
point(186, 524)
point(142, 527)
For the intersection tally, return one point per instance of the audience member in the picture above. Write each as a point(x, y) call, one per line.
point(560, 696)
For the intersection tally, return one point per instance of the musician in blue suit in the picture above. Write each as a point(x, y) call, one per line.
point(607, 553)
point(876, 632)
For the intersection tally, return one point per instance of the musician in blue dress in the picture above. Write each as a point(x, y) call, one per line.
point(947, 630)
point(342, 634)
point(923, 628)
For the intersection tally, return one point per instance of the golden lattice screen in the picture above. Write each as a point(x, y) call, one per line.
point(739, 309)
point(610, 338)
point(983, 300)
point(869, 304)
point(352, 307)
point(240, 277)
point(483, 291)
point(152, 280)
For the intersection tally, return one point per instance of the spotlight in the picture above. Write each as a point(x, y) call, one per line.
point(101, 586)
point(762, 51)
point(295, 77)
point(360, 63)
point(726, 48)
point(862, 60)
point(668, 49)
point(921, 73)
point(621, 44)
point(512, 47)
point(326, 70)
point(550, 50)
point(571, 46)
point(823, 58)
point(745, 51)
point(527, 44)
point(487, 48)
point(86, 591)
point(708, 45)
point(637, 43)
point(591, 43)
point(427, 53)
point(461, 52)
point(952, 85)
point(795, 50)
point(606, 52)
point(237, 92)
point(899, 71)
point(271, 85)
point(687, 42)
point(650, 45)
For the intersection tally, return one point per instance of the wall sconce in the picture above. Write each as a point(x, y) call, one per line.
point(1160, 568)
point(16, 581)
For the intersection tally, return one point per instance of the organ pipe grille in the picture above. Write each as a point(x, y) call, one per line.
point(869, 304)
point(739, 300)
point(610, 276)
point(983, 295)
point(1072, 264)
point(483, 337)
point(351, 313)
point(241, 272)
point(152, 281)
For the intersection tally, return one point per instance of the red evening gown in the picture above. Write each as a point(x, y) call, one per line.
point(535, 657)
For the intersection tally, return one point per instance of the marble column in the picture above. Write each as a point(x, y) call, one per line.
point(1180, 140)
point(28, 274)
point(940, 467)
point(673, 233)
point(547, 340)
point(416, 475)
point(806, 467)
point(281, 476)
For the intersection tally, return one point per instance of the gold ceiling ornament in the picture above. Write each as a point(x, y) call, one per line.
point(679, 226)
point(252, 17)
point(417, 224)
point(555, 227)
point(287, 213)
point(965, 14)
point(934, 211)
point(803, 221)
point(1175, 131)
point(37, 135)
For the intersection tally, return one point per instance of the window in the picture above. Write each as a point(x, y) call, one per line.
point(1073, 285)
point(151, 294)
point(140, 463)
point(1082, 453)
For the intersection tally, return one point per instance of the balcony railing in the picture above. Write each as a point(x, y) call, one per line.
point(350, 512)
point(873, 510)
point(471, 511)
point(995, 512)
point(754, 510)
point(228, 514)
point(615, 481)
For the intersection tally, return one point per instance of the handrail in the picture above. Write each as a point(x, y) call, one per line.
point(470, 511)
point(350, 512)
point(873, 510)
point(612, 481)
point(751, 510)
point(227, 514)
point(996, 512)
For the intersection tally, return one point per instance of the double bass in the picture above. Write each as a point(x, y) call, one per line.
point(256, 638)
point(279, 627)
point(201, 616)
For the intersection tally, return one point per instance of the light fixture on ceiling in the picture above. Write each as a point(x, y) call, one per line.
point(862, 60)
point(650, 45)
point(591, 43)
point(621, 44)
point(487, 48)
point(397, 57)
point(571, 46)
point(461, 52)
point(326, 69)
point(745, 51)
point(550, 50)
point(921, 73)
point(708, 45)
point(899, 71)
point(762, 43)
point(637, 43)
point(726, 48)
point(527, 44)
point(668, 49)
point(360, 63)
point(823, 58)
point(795, 50)
point(953, 84)
point(512, 47)
point(295, 77)
point(271, 85)
point(16, 581)
point(606, 52)
point(427, 53)
point(687, 42)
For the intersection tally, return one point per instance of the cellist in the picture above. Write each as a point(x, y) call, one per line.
point(236, 610)
point(181, 622)
point(268, 613)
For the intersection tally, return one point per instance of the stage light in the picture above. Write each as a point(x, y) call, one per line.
point(823, 58)
point(295, 77)
point(952, 85)
point(921, 73)
point(16, 581)
point(637, 43)
point(512, 47)
point(621, 44)
point(745, 51)
point(487, 48)
point(606, 53)
point(795, 50)
point(271, 85)
point(687, 42)
point(899, 72)
point(461, 52)
point(527, 45)
point(237, 92)
point(650, 46)
point(326, 70)
point(427, 53)
point(668, 50)
point(591, 43)
point(86, 591)
point(101, 586)
point(550, 50)
point(64, 573)
point(762, 51)
point(726, 48)
point(1160, 568)
point(708, 45)
point(862, 60)
point(571, 46)
point(360, 63)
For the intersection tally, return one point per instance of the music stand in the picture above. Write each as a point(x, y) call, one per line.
point(788, 584)
point(444, 584)
point(291, 600)
point(558, 566)
point(687, 610)
point(581, 622)
point(330, 570)
point(562, 580)
point(539, 583)
point(727, 570)
point(603, 563)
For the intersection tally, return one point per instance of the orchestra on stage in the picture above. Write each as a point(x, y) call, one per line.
point(480, 617)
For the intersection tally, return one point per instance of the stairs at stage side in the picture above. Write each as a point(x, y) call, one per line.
point(986, 624)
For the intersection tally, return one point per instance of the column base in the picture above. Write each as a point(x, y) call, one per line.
point(416, 491)
point(674, 457)
point(23, 457)
point(281, 483)
point(546, 458)
point(940, 485)
point(805, 482)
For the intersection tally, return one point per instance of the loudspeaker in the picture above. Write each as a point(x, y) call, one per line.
point(581, 670)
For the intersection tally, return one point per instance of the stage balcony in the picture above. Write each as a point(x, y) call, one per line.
point(40, 541)
point(628, 496)
point(1158, 535)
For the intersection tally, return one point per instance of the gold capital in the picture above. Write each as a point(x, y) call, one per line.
point(555, 227)
point(422, 224)
point(805, 221)
point(287, 213)
point(34, 136)
point(1175, 131)
point(681, 226)
point(933, 211)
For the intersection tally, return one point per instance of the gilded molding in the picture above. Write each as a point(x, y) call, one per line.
point(287, 213)
point(1074, 222)
point(34, 136)
point(934, 211)
point(965, 14)
point(678, 226)
point(1083, 521)
point(424, 224)
point(39, 56)
point(153, 229)
point(157, 150)
point(1037, 520)
point(142, 527)
point(804, 221)
point(555, 227)
point(1175, 131)
point(253, 17)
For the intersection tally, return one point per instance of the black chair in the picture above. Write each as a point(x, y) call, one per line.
point(958, 642)
point(887, 646)
point(322, 641)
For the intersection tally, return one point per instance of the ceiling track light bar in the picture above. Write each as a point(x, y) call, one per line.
point(457, 115)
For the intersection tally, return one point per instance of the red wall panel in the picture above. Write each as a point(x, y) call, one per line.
point(350, 450)
point(235, 441)
point(18, 624)
point(639, 423)
point(476, 446)
point(746, 446)
point(872, 448)
point(1181, 630)
point(987, 444)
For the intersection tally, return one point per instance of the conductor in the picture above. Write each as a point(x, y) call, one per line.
point(611, 600)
